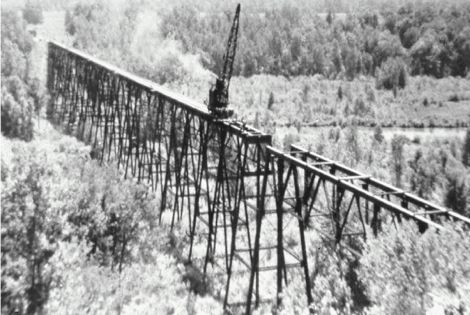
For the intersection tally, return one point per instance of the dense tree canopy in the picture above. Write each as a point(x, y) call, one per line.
point(32, 13)
point(78, 237)
point(21, 91)
point(289, 41)
point(410, 273)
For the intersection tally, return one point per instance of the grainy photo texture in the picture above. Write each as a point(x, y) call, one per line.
point(235, 157)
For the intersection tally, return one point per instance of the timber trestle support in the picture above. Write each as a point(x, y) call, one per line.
point(248, 208)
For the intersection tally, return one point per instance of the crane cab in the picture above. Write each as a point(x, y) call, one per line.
point(218, 94)
point(218, 100)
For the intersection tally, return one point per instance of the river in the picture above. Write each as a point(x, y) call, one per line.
point(310, 134)
point(422, 132)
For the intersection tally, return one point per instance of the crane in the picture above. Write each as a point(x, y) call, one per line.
point(218, 94)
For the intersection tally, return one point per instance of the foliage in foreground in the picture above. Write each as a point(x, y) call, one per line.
point(88, 242)
point(400, 272)
point(76, 236)
point(22, 93)
point(406, 272)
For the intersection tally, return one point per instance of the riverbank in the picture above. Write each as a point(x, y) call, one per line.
point(370, 124)
point(311, 135)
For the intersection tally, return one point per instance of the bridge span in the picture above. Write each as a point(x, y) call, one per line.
point(239, 198)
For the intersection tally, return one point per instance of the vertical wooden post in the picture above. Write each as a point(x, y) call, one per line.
point(298, 210)
point(279, 212)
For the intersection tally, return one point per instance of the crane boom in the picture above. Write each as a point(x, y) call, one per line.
point(229, 56)
point(218, 95)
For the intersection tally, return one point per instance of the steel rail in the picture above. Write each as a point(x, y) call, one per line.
point(225, 168)
point(378, 184)
point(386, 204)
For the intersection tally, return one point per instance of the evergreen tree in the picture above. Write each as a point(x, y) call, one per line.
point(270, 100)
point(378, 134)
point(329, 18)
point(392, 74)
point(256, 123)
point(457, 192)
point(398, 143)
point(340, 93)
point(21, 94)
point(466, 150)
point(32, 13)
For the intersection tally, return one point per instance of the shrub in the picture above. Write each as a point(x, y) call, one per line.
point(32, 13)
point(416, 140)
point(13, 59)
point(457, 193)
point(425, 102)
point(454, 97)
point(425, 169)
point(360, 108)
point(378, 134)
point(13, 29)
point(392, 74)
point(466, 149)
point(289, 139)
point(152, 287)
point(29, 233)
point(406, 272)
point(398, 161)
point(271, 100)
point(52, 192)
point(340, 93)
point(17, 110)
point(329, 277)
point(21, 97)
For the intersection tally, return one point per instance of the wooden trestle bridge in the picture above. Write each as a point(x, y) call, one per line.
point(239, 198)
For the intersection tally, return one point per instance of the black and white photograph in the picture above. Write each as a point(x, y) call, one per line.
point(233, 157)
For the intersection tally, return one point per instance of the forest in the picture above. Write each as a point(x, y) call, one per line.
point(79, 238)
point(420, 39)
point(423, 39)
point(393, 58)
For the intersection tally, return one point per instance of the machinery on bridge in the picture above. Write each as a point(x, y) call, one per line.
point(252, 212)
point(218, 94)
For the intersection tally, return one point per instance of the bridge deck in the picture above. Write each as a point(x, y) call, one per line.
point(225, 177)
point(183, 101)
point(381, 189)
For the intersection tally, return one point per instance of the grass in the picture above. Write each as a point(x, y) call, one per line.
point(314, 101)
